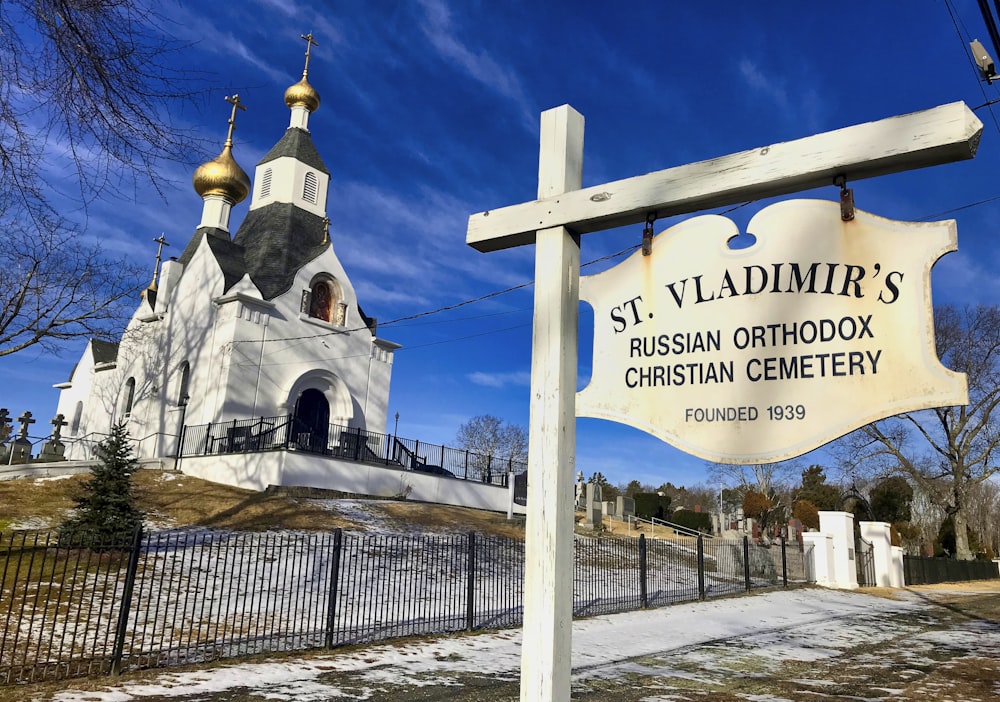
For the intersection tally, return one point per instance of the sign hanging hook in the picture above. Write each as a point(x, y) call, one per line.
point(647, 234)
point(846, 198)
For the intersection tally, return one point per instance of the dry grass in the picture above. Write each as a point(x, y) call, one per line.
point(433, 517)
point(174, 499)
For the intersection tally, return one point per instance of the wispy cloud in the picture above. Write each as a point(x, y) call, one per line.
point(440, 32)
point(801, 104)
point(771, 88)
point(191, 25)
point(500, 380)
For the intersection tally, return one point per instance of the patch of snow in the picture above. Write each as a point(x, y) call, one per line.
point(602, 646)
point(30, 524)
point(364, 513)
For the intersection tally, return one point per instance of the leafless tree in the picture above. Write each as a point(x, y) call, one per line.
point(87, 90)
point(89, 83)
point(53, 288)
point(494, 442)
point(949, 450)
point(765, 478)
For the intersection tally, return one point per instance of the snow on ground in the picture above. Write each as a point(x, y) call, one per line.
point(365, 513)
point(804, 625)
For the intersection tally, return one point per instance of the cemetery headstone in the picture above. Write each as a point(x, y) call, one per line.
point(593, 516)
point(608, 509)
point(54, 449)
point(625, 507)
point(581, 491)
point(20, 448)
point(4, 423)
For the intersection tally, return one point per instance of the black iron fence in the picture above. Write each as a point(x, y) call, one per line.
point(918, 570)
point(194, 595)
point(346, 443)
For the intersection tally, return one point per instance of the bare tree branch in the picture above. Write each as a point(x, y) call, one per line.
point(946, 451)
point(54, 288)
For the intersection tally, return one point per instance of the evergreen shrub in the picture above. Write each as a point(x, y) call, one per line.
point(106, 517)
point(698, 521)
point(650, 504)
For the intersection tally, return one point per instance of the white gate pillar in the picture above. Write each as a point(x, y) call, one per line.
point(879, 535)
point(822, 557)
point(840, 527)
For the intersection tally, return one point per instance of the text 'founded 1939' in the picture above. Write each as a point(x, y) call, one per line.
point(764, 353)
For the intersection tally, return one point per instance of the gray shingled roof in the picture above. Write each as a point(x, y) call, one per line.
point(272, 244)
point(299, 145)
point(231, 259)
point(199, 234)
point(274, 241)
point(277, 240)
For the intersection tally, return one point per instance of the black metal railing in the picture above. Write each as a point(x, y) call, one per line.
point(193, 595)
point(919, 570)
point(346, 443)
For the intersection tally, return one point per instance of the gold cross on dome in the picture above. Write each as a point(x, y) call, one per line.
point(162, 241)
point(310, 43)
point(233, 100)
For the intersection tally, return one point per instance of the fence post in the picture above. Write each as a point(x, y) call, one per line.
point(701, 567)
point(746, 560)
point(288, 431)
point(643, 573)
point(121, 628)
point(208, 437)
point(784, 563)
point(466, 464)
point(180, 442)
point(470, 589)
point(331, 602)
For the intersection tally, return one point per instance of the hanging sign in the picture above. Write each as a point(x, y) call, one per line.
point(764, 353)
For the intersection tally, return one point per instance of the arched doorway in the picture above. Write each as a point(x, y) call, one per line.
point(312, 421)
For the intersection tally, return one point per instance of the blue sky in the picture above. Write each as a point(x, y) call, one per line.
point(430, 113)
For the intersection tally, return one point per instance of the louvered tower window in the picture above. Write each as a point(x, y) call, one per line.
point(310, 188)
point(265, 184)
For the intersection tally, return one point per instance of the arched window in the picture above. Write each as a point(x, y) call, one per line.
point(129, 396)
point(310, 188)
point(265, 184)
point(183, 389)
point(74, 427)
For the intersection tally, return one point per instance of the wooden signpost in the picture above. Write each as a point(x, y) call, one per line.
point(554, 223)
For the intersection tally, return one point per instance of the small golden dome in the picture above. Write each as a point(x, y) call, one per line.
point(222, 176)
point(302, 94)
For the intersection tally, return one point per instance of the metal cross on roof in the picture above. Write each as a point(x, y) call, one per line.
point(233, 100)
point(310, 43)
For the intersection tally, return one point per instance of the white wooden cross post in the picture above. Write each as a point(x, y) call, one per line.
point(554, 223)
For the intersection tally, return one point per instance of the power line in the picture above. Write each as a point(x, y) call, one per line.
point(464, 303)
point(991, 27)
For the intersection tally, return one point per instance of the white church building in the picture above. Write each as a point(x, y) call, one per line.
point(263, 322)
point(249, 360)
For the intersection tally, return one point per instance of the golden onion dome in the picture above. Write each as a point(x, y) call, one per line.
point(302, 93)
point(222, 176)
